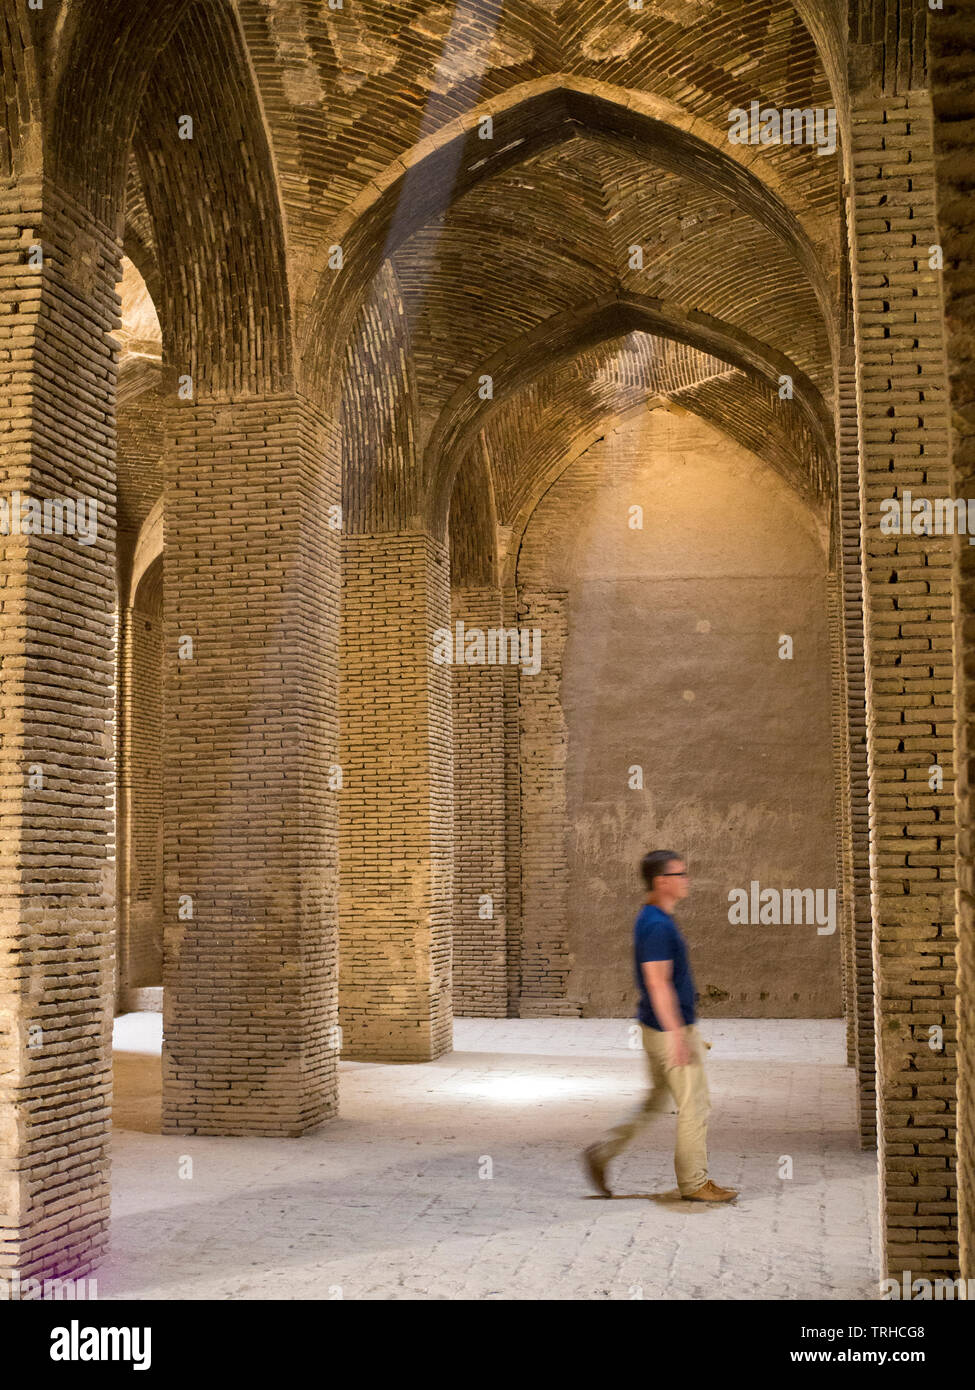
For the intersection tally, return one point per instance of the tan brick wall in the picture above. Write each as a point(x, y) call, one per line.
point(543, 746)
point(480, 923)
point(250, 575)
point(856, 830)
point(841, 802)
point(139, 795)
point(57, 669)
point(513, 817)
point(396, 801)
point(903, 411)
point(952, 56)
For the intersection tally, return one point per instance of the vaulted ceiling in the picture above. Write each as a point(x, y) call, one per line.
point(512, 257)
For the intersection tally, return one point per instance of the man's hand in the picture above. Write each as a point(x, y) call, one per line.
point(659, 977)
point(680, 1053)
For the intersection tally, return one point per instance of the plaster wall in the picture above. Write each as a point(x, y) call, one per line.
point(671, 664)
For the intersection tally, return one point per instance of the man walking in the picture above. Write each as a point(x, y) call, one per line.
point(675, 1051)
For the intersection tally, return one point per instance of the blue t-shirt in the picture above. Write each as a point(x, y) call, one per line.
point(656, 936)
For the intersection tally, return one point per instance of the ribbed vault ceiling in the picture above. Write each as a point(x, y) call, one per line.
point(542, 428)
point(458, 261)
point(555, 233)
point(349, 91)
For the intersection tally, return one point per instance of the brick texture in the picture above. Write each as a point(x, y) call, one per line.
point(952, 56)
point(480, 925)
point(397, 812)
point(545, 958)
point(139, 808)
point(903, 414)
point(250, 836)
point(855, 828)
point(57, 671)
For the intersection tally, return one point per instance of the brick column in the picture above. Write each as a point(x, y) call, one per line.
point(841, 800)
point(512, 798)
point(544, 826)
point(397, 800)
point(58, 369)
point(480, 971)
point(139, 809)
point(902, 398)
point(857, 830)
point(250, 622)
point(951, 45)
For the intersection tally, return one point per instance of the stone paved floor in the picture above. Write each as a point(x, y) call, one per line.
point(388, 1201)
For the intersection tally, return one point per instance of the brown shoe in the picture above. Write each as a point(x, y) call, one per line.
point(711, 1192)
point(596, 1168)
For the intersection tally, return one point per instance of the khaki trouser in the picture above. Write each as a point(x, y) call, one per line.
point(688, 1087)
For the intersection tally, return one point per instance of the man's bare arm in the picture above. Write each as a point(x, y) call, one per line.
point(659, 977)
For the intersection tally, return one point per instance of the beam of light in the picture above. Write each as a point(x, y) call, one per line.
point(457, 40)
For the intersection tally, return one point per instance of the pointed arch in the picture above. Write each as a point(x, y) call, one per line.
point(562, 336)
point(473, 524)
point(729, 403)
point(101, 64)
point(535, 115)
point(214, 206)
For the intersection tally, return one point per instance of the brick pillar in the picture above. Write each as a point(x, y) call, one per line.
point(841, 800)
point(251, 580)
point(480, 971)
point(544, 826)
point(58, 369)
point(902, 399)
point(512, 797)
point(861, 994)
point(952, 48)
point(396, 801)
point(139, 809)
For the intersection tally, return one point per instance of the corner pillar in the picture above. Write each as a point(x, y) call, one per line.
point(58, 369)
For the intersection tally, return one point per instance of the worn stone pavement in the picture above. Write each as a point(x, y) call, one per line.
point(391, 1201)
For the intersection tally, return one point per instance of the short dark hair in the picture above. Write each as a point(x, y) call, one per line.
point(655, 863)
